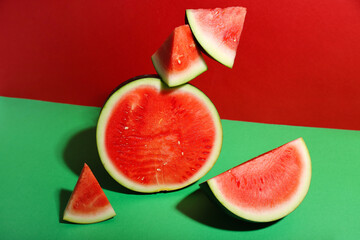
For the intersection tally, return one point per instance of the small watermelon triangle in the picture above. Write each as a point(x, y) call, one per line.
point(88, 202)
point(218, 31)
point(179, 60)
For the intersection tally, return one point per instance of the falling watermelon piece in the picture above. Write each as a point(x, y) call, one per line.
point(88, 202)
point(218, 31)
point(179, 60)
point(154, 138)
point(265, 188)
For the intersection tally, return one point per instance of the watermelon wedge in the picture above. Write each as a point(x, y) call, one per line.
point(266, 188)
point(218, 31)
point(154, 138)
point(179, 60)
point(88, 203)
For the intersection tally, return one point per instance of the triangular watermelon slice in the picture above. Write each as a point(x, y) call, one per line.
point(179, 59)
point(218, 31)
point(88, 203)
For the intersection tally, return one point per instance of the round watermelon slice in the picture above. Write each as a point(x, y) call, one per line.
point(218, 31)
point(154, 138)
point(88, 202)
point(179, 59)
point(267, 187)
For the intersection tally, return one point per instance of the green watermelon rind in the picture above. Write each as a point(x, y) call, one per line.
point(178, 78)
point(89, 218)
point(220, 53)
point(283, 210)
point(106, 112)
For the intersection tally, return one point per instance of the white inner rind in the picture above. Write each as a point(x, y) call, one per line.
point(216, 49)
point(281, 210)
point(88, 218)
point(173, 79)
point(122, 179)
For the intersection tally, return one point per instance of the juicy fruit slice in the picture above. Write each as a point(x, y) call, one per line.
point(267, 187)
point(179, 60)
point(218, 31)
point(153, 138)
point(88, 202)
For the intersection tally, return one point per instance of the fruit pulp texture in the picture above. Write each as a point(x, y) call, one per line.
point(159, 136)
point(88, 197)
point(179, 50)
point(225, 24)
point(265, 181)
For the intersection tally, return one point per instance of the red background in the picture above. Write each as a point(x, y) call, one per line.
point(298, 62)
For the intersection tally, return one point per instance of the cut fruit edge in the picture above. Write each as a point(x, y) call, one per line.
point(179, 78)
point(158, 84)
point(220, 53)
point(282, 210)
point(84, 218)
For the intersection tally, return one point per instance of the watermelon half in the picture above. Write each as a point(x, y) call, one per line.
point(154, 138)
point(265, 188)
point(218, 31)
point(88, 202)
point(179, 59)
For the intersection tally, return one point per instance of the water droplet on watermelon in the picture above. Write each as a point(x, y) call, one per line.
point(158, 169)
point(126, 127)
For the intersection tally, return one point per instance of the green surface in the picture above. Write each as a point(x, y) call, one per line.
point(44, 145)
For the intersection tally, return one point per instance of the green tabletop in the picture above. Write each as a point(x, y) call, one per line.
point(44, 145)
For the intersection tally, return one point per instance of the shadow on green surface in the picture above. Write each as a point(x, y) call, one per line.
point(64, 198)
point(82, 149)
point(198, 207)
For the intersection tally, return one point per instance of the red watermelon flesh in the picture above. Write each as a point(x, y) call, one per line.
point(179, 60)
point(88, 202)
point(153, 138)
point(267, 187)
point(218, 31)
